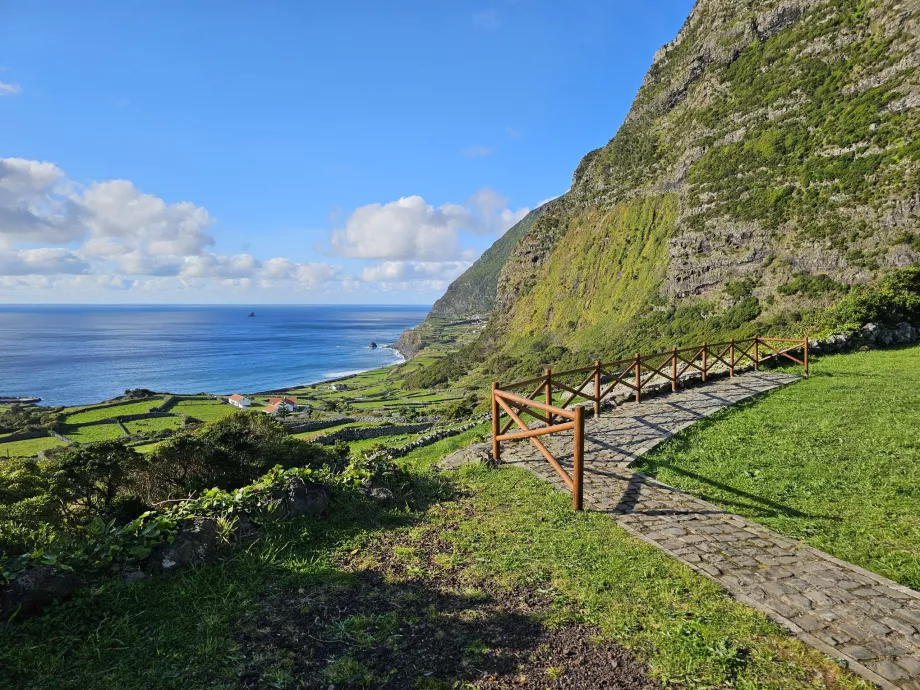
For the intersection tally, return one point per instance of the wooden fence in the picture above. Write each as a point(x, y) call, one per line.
point(634, 373)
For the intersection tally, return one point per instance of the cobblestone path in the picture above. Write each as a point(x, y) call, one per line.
point(867, 621)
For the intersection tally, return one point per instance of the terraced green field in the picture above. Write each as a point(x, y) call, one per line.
point(153, 425)
point(29, 447)
point(203, 409)
point(96, 414)
point(91, 433)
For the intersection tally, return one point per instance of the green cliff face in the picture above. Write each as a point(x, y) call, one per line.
point(769, 168)
point(771, 160)
point(473, 293)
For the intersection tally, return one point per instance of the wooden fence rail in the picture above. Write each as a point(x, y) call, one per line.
point(634, 373)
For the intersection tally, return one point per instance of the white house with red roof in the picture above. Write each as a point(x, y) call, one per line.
point(276, 405)
point(239, 401)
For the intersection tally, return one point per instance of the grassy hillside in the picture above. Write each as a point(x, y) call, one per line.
point(605, 273)
point(833, 460)
point(474, 572)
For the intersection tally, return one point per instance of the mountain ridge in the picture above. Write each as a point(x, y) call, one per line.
point(768, 169)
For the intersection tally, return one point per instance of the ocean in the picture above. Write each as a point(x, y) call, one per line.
point(74, 355)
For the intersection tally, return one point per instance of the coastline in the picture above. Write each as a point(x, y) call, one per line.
point(90, 354)
point(344, 377)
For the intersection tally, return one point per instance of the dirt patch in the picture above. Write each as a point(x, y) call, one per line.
point(408, 613)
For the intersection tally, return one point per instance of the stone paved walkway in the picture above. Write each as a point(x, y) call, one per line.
point(867, 621)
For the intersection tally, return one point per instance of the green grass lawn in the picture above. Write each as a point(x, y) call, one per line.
point(152, 425)
point(497, 527)
point(310, 435)
point(205, 410)
point(95, 414)
point(90, 433)
point(29, 447)
point(146, 447)
point(833, 460)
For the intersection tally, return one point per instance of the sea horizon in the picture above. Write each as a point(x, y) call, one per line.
point(77, 354)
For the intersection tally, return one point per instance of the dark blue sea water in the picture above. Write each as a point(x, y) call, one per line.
point(71, 355)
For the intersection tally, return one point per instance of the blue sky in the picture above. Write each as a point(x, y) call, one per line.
point(301, 152)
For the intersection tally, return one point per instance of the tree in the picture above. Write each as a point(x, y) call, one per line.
point(88, 481)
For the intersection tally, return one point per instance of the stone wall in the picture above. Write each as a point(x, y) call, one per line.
point(434, 437)
point(25, 435)
point(364, 433)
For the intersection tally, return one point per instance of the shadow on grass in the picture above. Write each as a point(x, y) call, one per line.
point(757, 505)
point(390, 627)
point(175, 630)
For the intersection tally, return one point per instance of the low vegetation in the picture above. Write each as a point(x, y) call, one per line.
point(49, 508)
point(28, 447)
point(103, 412)
point(490, 547)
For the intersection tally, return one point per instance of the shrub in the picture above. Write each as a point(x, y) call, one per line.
point(894, 300)
point(462, 408)
point(139, 393)
point(740, 289)
point(225, 454)
point(23, 417)
point(810, 285)
point(86, 481)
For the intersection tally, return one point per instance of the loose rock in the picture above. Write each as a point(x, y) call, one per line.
point(196, 543)
point(34, 589)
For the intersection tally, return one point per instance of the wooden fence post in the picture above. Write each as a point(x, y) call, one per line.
point(578, 460)
point(731, 358)
point(674, 370)
point(597, 388)
point(638, 366)
point(756, 353)
point(805, 353)
point(549, 394)
point(705, 366)
point(496, 446)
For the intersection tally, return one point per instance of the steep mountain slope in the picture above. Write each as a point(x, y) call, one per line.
point(770, 161)
point(470, 298)
point(473, 293)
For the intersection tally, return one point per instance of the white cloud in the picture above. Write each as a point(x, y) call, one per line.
point(9, 89)
point(405, 229)
point(493, 213)
point(512, 132)
point(32, 207)
point(118, 211)
point(214, 266)
point(410, 229)
point(306, 275)
point(65, 237)
point(389, 271)
point(477, 151)
point(48, 261)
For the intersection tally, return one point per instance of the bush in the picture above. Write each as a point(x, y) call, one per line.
point(462, 408)
point(225, 454)
point(90, 481)
point(139, 393)
point(810, 285)
point(894, 300)
point(23, 417)
point(739, 289)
